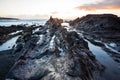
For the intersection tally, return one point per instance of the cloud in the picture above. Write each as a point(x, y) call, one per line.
point(54, 12)
point(37, 16)
point(105, 4)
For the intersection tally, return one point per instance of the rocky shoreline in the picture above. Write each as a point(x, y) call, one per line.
point(7, 33)
point(7, 59)
point(53, 52)
point(58, 55)
point(105, 28)
point(102, 30)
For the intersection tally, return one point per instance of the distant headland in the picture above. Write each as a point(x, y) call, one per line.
point(5, 18)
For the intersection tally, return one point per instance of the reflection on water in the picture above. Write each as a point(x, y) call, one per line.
point(8, 44)
point(112, 71)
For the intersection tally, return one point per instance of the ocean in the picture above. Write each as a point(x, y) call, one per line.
point(19, 22)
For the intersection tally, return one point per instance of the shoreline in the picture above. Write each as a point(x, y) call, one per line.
point(79, 50)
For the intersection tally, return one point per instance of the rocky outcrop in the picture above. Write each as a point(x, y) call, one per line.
point(98, 20)
point(7, 56)
point(102, 30)
point(7, 33)
point(103, 27)
point(54, 22)
point(55, 54)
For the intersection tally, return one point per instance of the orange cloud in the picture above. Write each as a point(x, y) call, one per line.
point(106, 4)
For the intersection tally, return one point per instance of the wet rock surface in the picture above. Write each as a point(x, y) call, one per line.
point(53, 53)
point(81, 51)
point(7, 33)
point(103, 27)
point(102, 30)
point(7, 60)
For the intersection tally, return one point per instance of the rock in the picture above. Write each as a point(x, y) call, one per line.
point(7, 60)
point(100, 27)
point(5, 32)
point(41, 59)
point(19, 47)
point(54, 22)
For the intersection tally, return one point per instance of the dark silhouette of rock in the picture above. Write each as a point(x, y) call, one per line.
point(5, 18)
point(54, 22)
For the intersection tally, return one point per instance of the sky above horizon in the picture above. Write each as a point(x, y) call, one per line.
point(66, 9)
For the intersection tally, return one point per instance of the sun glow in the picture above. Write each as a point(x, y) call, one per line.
point(45, 8)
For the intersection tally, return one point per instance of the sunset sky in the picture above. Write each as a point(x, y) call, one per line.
point(66, 9)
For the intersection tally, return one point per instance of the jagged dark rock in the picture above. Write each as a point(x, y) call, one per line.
point(100, 30)
point(55, 54)
point(5, 32)
point(8, 56)
point(54, 22)
point(104, 27)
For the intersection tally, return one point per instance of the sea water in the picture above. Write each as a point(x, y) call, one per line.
point(19, 22)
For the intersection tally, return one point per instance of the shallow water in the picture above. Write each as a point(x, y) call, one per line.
point(8, 44)
point(112, 68)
